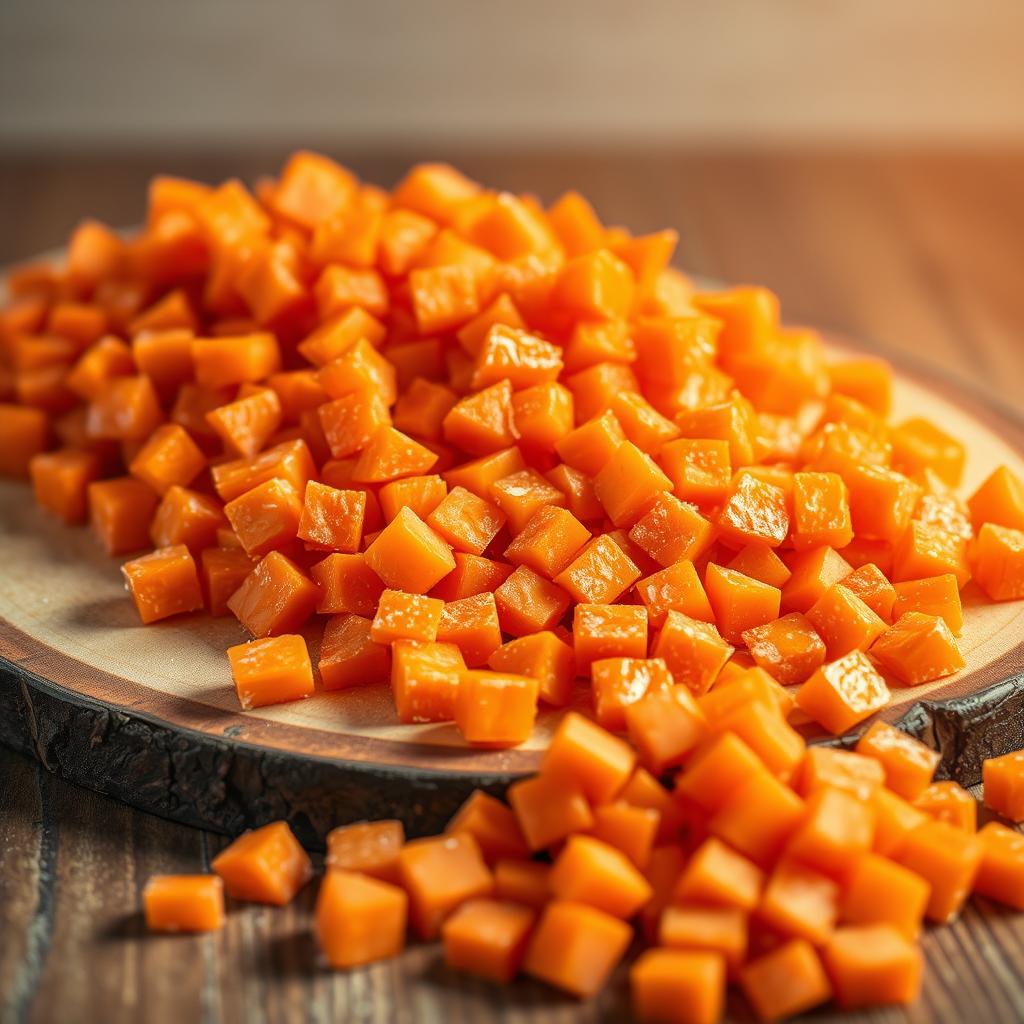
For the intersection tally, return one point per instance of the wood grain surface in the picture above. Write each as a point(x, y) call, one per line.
point(919, 253)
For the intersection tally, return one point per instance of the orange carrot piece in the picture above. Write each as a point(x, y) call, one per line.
point(369, 847)
point(546, 658)
point(872, 965)
point(1004, 784)
point(786, 981)
point(275, 598)
point(678, 985)
point(163, 583)
point(843, 693)
point(184, 903)
point(359, 919)
point(425, 680)
point(488, 938)
point(265, 865)
point(1001, 870)
point(918, 648)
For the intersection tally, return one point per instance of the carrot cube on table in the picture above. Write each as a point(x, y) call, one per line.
point(925, 550)
point(245, 424)
point(606, 631)
point(760, 562)
point(908, 764)
point(917, 444)
point(348, 654)
point(184, 903)
point(837, 831)
point(331, 518)
point(882, 502)
point(664, 727)
point(408, 555)
point(549, 542)
point(267, 517)
point(220, 362)
point(590, 871)
point(26, 432)
point(420, 493)
point(721, 930)
point(840, 769)
point(730, 421)
point(516, 355)
point(788, 648)
point(716, 770)
point(265, 865)
point(163, 583)
point(168, 457)
point(918, 648)
point(60, 481)
point(402, 616)
point(528, 603)
point(271, 671)
point(700, 469)
point(800, 902)
point(871, 585)
point(813, 572)
point(290, 460)
point(479, 475)
point(471, 624)
point(871, 965)
point(895, 819)
point(186, 517)
point(125, 409)
point(1001, 871)
point(950, 802)
point(368, 847)
point(481, 423)
point(718, 876)
point(671, 530)
point(758, 817)
point(347, 585)
point(120, 513)
point(495, 709)
point(628, 483)
point(542, 414)
point(880, 891)
point(760, 725)
point(352, 421)
point(389, 455)
point(947, 858)
point(522, 881)
point(1003, 778)
point(786, 981)
point(222, 571)
point(549, 808)
point(677, 588)
point(599, 573)
point(487, 937)
point(739, 603)
point(618, 682)
point(575, 947)
point(360, 368)
point(472, 575)
point(589, 447)
point(545, 657)
point(997, 562)
point(844, 622)
point(585, 755)
point(440, 873)
point(425, 680)
point(687, 986)
point(694, 651)
point(492, 824)
point(466, 521)
point(632, 830)
point(843, 693)
point(359, 919)
point(999, 500)
point(276, 597)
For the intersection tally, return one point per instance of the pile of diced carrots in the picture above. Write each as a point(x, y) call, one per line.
point(509, 456)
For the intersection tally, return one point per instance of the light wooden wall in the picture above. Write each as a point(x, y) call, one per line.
point(470, 71)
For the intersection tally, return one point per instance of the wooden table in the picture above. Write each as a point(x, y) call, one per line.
point(918, 254)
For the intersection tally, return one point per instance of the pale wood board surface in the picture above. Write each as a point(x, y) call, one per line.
point(918, 253)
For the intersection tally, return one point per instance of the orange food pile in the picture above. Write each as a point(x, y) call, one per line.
point(505, 455)
point(798, 884)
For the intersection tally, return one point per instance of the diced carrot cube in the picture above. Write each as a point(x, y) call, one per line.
point(1001, 871)
point(408, 555)
point(472, 575)
point(488, 938)
point(929, 551)
point(997, 562)
point(895, 819)
point(1004, 784)
point(872, 965)
point(785, 982)
point(949, 802)
point(492, 825)
point(444, 297)
point(481, 423)
point(731, 421)
point(546, 658)
point(664, 727)
point(515, 355)
point(402, 616)
point(352, 421)
point(788, 648)
point(368, 847)
point(592, 872)
point(591, 445)
point(359, 919)
point(998, 500)
point(843, 693)
point(521, 495)
point(549, 808)
point(882, 502)
point(471, 623)
point(721, 930)
point(528, 603)
point(549, 541)
point(360, 368)
point(840, 769)
point(947, 858)
point(466, 521)
point(671, 530)
point(718, 876)
point(184, 903)
point(908, 764)
point(918, 444)
point(163, 583)
point(582, 753)
point(265, 865)
point(495, 709)
point(348, 655)
point(716, 770)
point(678, 985)
point(800, 902)
point(918, 648)
point(844, 622)
point(605, 631)
point(575, 947)
point(813, 572)
point(420, 410)
point(290, 460)
point(619, 682)
point(125, 409)
point(120, 512)
point(347, 585)
point(25, 432)
point(542, 414)
point(739, 603)
point(754, 511)
point(757, 817)
point(600, 573)
point(425, 680)
point(628, 484)
point(677, 588)
point(642, 423)
point(275, 598)
point(222, 571)
point(749, 686)
point(879, 891)
point(271, 671)
point(439, 874)
point(60, 481)
point(268, 516)
point(837, 831)
point(870, 584)
point(186, 517)
point(631, 830)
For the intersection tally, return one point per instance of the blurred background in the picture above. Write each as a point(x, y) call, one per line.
point(865, 159)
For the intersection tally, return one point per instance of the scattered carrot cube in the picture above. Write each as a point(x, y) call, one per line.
point(677, 588)
point(168, 457)
point(120, 513)
point(1003, 778)
point(1001, 871)
point(918, 648)
point(184, 903)
point(402, 616)
point(664, 727)
point(546, 658)
point(495, 709)
point(369, 847)
point(693, 650)
point(267, 517)
point(522, 881)
point(997, 562)
point(872, 965)
point(527, 603)
point(549, 808)
point(618, 682)
point(786, 981)
point(607, 631)
point(265, 865)
point(754, 511)
point(998, 500)
point(275, 598)
point(408, 555)
point(271, 671)
point(950, 802)
point(163, 583)
point(844, 622)
point(739, 602)
point(843, 693)
point(788, 648)
point(549, 542)
point(947, 858)
point(359, 919)
point(678, 985)
point(61, 480)
point(466, 521)
point(718, 876)
point(425, 680)
point(487, 937)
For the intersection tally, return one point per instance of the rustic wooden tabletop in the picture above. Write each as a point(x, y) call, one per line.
point(918, 254)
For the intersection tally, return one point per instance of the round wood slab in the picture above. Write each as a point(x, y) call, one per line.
point(148, 713)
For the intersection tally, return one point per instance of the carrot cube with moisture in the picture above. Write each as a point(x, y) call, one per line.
point(420, 493)
point(872, 586)
point(168, 457)
point(275, 598)
point(918, 648)
point(948, 801)
point(290, 460)
point(788, 648)
point(439, 874)
point(721, 930)
point(880, 891)
point(693, 650)
point(821, 511)
point(163, 583)
point(754, 511)
point(481, 423)
point(522, 881)
point(350, 423)
point(585, 755)
point(369, 847)
point(348, 654)
point(548, 543)
point(843, 693)
point(607, 631)
point(758, 817)
point(677, 588)
point(542, 414)
point(812, 573)
point(120, 513)
point(390, 455)
point(549, 808)
point(616, 683)
point(347, 585)
point(425, 680)
point(220, 362)
point(998, 500)
point(245, 424)
point(844, 622)
point(907, 763)
point(925, 550)
point(265, 865)
point(61, 480)
point(837, 831)
point(628, 483)
point(271, 671)
point(678, 985)
point(126, 409)
point(591, 445)
point(402, 616)
point(331, 519)
point(359, 919)
point(488, 938)
point(492, 824)
point(592, 872)
point(184, 903)
point(841, 769)
point(718, 876)
point(546, 657)
point(699, 469)
point(466, 521)
point(408, 555)
point(186, 517)
point(664, 727)
point(600, 573)
point(472, 624)
point(527, 603)
point(1004, 784)
point(267, 517)
point(671, 530)
point(575, 947)
point(495, 709)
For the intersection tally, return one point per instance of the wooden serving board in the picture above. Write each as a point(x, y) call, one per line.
point(148, 713)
